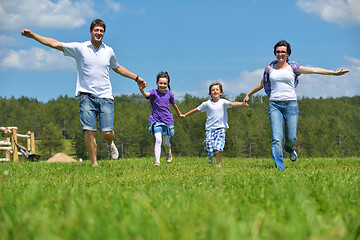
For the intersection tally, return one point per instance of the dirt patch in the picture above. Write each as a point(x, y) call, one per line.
point(61, 157)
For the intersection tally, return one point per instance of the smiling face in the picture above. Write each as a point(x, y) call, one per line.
point(281, 54)
point(97, 35)
point(215, 93)
point(162, 84)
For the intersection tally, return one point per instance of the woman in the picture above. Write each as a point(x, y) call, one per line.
point(279, 82)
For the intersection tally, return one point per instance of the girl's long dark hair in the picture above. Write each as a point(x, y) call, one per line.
point(163, 75)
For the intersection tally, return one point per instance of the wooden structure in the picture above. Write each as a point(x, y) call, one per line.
point(13, 148)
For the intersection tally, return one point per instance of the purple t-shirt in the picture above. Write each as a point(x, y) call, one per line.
point(160, 103)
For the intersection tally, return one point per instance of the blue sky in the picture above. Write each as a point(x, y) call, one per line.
point(197, 42)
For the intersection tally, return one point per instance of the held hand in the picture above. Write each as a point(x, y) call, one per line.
point(141, 86)
point(341, 72)
point(141, 83)
point(181, 116)
point(246, 100)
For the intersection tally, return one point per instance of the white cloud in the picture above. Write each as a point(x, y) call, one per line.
point(62, 14)
point(6, 41)
point(36, 59)
point(343, 13)
point(310, 85)
point(115, 6)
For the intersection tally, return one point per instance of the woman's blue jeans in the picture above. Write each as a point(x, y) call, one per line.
point(289, 112)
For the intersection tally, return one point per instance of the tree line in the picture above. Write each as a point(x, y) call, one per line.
point(327, 127)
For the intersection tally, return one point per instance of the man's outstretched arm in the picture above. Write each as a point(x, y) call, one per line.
point(50, 42)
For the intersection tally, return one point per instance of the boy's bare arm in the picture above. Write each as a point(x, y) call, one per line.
point(237, 104)
point(195, 110)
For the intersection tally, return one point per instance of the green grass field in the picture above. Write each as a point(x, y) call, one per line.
point(187, 199)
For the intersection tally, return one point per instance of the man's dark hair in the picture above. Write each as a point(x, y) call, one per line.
point(97, 22)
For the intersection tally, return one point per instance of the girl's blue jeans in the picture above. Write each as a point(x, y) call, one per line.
point(289, 112)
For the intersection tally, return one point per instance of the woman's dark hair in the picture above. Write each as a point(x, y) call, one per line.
point(97, 22)
point(283, 43)
point(163, 75)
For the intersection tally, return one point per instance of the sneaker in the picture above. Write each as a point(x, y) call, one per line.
point(114, 154)
point(157, 164)
point(169, 158)
point(209, 159)
point(293, 156)
point(95, 165)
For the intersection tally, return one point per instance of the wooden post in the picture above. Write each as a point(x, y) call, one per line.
point(7, 156)
point(32, 142)
point(8, 152)
point(28, 143)
point(15, 149)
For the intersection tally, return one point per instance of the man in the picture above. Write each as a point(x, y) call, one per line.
point(93, 88)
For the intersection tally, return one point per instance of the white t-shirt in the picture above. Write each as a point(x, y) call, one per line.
point(93, 67)
point(282, 84)
point(216, 113)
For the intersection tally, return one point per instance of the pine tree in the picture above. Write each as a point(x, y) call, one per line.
point(51, 140)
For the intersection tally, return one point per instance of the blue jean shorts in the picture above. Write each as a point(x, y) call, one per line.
point(93, 109)
point(165, 129)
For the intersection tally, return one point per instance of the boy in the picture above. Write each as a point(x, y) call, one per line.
point(216, 121)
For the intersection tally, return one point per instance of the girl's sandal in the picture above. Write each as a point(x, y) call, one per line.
point(169, 158)
point(157, 164)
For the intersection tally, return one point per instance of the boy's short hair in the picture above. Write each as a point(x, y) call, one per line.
point(97, 22)
point(214, 84)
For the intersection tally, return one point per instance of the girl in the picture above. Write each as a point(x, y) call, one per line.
point(161, 120)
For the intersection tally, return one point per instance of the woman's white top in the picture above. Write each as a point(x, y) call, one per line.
point(282, 84)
